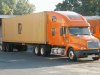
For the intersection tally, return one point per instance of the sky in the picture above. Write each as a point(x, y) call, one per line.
point(45, 5)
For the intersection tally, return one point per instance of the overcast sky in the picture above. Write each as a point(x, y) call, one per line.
point(45, 5)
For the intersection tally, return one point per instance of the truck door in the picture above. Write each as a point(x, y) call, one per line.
point(63, 34)
point(54, 30)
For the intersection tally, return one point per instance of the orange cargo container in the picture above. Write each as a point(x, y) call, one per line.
point(57, 32)
point(94, 24)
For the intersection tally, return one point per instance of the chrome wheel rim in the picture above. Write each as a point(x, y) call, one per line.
point(36, 50)
point(71, 55)
point(42, 51)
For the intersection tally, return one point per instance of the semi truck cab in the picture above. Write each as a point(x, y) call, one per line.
point(81, 42)
point(74, 33)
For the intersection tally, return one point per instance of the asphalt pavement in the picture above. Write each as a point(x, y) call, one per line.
point(26, 63)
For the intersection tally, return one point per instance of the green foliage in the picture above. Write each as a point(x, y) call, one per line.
point(16, 7)
point(84, 7)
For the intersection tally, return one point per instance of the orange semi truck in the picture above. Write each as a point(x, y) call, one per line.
point(58, 32)
point(95, 25)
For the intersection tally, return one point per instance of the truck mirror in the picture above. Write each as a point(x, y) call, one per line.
point(92, 33)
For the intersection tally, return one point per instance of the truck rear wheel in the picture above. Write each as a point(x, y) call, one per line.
point(37, 50)
point(71, 55)
point(45, 50)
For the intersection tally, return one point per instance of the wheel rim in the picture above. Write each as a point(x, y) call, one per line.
point(71, 55)
point(42, 51)
point(36, 50)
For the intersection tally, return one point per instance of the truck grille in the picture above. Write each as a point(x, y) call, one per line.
point(93, 44)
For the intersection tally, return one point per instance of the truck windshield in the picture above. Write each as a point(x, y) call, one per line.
point(79, 31)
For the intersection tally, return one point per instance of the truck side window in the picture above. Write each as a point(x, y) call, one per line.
point(53, 31)
point(62, 31)
point(54, 18)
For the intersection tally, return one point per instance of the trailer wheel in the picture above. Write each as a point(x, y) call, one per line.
point(4, 46)
point(37, 50)
point(45, 50)
point(71, 55)
point(10, 48)
point(96, 58)
point(7, 47)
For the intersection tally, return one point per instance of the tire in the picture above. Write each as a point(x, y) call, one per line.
point(71, 55)
point(4, 46)
point(10, 48)
point(7, 47)
point(45, 50)
point(37, 50)
point(96, 58)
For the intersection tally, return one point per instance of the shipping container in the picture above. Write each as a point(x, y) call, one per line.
point(26, 29)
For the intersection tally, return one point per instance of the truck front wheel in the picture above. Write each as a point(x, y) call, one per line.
point(71, 55)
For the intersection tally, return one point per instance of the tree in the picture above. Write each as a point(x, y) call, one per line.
point(67, 5)
point(84, 7)
point(16, 7)
point(23, 7)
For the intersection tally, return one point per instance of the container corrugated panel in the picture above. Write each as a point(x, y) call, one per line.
point(30, 28)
